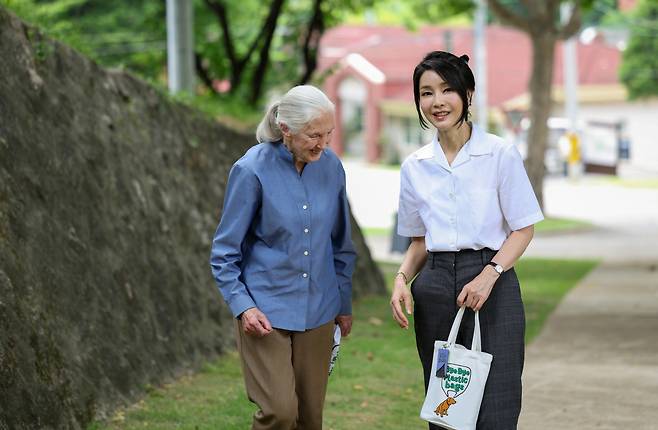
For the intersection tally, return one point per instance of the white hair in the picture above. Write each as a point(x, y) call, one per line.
point(299, 106)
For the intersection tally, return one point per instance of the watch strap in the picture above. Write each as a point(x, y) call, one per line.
point(497, 267)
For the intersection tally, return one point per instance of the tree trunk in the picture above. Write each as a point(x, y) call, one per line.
point(239, 65)
point(202, 71)
point(312, 42)
point(543, 46)
point(264, 56)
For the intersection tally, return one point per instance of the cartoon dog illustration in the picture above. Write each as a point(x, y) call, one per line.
point(442, 409)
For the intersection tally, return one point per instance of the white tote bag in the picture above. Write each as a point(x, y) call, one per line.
point(453, 401)
point(335, 349)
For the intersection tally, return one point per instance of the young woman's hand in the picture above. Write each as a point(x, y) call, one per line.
point(476, 292)
point(401, 297)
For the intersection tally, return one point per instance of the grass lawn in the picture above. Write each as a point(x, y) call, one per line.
point(376, 231)
point(651, 183)
point(549, 225)
point(377, 382)
point(555, 225)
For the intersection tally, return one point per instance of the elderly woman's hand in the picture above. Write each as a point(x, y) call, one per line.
point(345, 324)
point(255, 323)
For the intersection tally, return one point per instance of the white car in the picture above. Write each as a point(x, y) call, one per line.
point(599, 149)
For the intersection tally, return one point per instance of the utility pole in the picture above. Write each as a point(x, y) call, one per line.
point(570, 60)
point(480, 50)
point(570, 88)
point(447, 40)
point(180, 46)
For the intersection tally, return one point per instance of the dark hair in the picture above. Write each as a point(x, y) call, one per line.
point(453, 70)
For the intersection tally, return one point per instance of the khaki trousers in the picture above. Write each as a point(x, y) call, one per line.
point(286, 376)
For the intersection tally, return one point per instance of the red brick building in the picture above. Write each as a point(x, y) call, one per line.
point(370, 70)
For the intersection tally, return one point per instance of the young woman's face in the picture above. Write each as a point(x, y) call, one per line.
point(441, 104)
point(307, 145)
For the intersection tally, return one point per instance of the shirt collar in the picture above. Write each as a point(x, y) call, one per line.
point(282, 151)
point(478, 144)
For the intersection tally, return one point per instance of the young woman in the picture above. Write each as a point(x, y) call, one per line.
point(283, 258)
point(467, 204)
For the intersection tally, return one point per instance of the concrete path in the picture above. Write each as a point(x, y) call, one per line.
point(595, 364)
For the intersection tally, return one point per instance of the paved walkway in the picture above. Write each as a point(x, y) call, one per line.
point(595, 364)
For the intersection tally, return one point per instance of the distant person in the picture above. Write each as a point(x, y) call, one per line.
point(467, 204)
point(283, 259)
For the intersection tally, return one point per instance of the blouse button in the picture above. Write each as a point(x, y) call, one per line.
point(305, 275)
point(305, 252)
point(306, 230)
point(304, 207)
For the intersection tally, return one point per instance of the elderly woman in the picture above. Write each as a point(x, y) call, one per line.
point(467, 204)
point(283, 259)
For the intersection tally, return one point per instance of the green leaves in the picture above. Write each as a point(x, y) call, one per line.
point(639, 69)
point(118, 33)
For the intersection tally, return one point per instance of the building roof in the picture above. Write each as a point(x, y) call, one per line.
point(394, 52)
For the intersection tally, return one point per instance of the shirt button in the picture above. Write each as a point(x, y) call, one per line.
point(305, 252)
point(452, 196)
point(306, 230)
point(304, 207)
point(305, 275)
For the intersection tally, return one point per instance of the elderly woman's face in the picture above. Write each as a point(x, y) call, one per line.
point(307, 145)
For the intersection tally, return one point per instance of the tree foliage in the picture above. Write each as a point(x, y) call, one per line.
point(278, 45)
point(543, 24)
point(639, 69)
point(121, 33)
point(249, 44)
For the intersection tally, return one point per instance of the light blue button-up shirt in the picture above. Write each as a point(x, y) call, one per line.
point(284, 243)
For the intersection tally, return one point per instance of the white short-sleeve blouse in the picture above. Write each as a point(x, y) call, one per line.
point(472, 204)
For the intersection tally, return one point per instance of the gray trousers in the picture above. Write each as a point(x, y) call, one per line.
point(502, 321)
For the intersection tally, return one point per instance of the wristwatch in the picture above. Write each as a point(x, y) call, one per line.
point(497, 267)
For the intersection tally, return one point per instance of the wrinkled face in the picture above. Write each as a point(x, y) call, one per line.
point(441, 104)
point(307, 145)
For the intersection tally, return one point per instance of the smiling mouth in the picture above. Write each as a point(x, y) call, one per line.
point(440, 115)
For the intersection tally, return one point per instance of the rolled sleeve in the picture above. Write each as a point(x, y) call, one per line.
point(241, 203)
point(517, 198)
point(343, 250)
point(410, 223)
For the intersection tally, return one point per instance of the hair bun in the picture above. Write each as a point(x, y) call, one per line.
point(465, 58)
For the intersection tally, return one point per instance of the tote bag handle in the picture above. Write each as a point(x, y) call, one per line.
point(476, 345)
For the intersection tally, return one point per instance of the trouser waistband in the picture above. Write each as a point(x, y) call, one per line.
point(484, 255)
